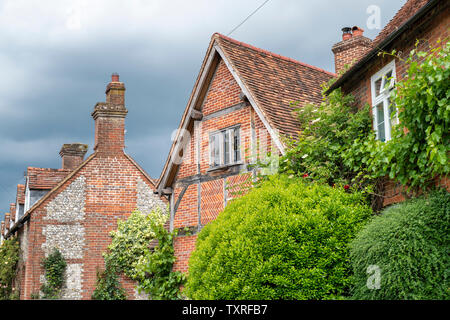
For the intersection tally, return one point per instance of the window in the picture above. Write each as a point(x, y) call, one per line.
point(384, 114)
point(225, 147)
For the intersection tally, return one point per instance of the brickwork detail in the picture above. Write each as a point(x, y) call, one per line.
point(212, 200)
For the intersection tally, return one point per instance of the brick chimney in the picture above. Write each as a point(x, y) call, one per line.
point(7, 222)
point(352, 47)
point(109, 119)
point(12, 210)
point(3, 228)
point(72, 155)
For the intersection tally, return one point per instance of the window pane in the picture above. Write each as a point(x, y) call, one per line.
point(380, 122)
point(226, 147)
point(378, 87)
point(211, 150)
point(217, 150)
point(214, 143)
point(237, 145)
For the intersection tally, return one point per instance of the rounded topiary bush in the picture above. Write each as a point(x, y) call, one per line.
point(408, 245)
point(285, 239)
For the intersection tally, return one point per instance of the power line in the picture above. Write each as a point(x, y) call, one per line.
point(251, 14)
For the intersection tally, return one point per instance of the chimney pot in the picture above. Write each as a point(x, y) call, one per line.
point(357, 31)
point(346, 33)
point(115, 77)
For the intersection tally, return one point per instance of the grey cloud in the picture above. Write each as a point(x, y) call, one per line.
point(56, 59)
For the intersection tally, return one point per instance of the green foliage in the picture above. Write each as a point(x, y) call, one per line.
point(130, 253)
point(285, 239)
point(154, 268)
point(324, 149)
point(420, 144)
point(9, 256)
point(131, 239)
point(54, 266)
point(108, 286)
point(409, 242)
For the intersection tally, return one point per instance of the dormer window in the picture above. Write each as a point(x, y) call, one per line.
point(384, 114)
point(225, 147)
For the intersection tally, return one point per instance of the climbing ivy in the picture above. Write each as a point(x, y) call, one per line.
point(154, 268)
point(108, 286)
point(419, 149)
point(9, 256)
point(54, 266)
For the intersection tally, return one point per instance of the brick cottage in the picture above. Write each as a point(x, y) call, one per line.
point(239, 110)
point(74, 208)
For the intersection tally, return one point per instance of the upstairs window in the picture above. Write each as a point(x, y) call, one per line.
point(384, 114)
point(225, 147)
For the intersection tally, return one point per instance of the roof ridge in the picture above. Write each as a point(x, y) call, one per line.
point(219, 35)
point(48, 169)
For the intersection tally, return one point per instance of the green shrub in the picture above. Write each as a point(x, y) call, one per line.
point(9, 256)
point(285, 239)
point(409, 244)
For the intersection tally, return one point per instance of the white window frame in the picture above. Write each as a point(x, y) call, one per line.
point(27, 198)
point(231, 158)
point(383, 97)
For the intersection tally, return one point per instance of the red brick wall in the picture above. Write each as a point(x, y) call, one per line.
point(359, 85)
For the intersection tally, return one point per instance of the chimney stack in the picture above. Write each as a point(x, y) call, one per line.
point(12, 210)
point(3, 228)
point(7, 222)
point(109, 119)
point(72, 155)
point(352, 47)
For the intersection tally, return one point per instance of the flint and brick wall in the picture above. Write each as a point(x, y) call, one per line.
point(78, 218)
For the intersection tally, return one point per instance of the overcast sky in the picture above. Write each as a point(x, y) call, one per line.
point(56, 58)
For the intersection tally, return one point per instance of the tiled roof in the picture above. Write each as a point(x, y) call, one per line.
point(275, 81)
point(409, 9)
point(20, 196)
point(43, 178)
